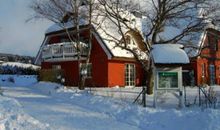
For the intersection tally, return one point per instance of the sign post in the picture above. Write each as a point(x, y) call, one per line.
point(168, 79)
point(168, 60)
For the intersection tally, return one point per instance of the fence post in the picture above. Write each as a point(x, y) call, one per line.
point(199, 96)
point(184, 95)
point(144, 96)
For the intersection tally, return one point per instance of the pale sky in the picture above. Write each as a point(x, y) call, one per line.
point(16, 35)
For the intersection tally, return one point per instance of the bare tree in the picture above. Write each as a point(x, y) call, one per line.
point(185, 17)
point(165, 21)
point(68, 13)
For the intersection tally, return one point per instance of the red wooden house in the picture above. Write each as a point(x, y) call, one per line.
point(205, 60)
point(109, 66)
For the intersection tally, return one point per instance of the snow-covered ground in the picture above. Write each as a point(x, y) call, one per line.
point(27, 104)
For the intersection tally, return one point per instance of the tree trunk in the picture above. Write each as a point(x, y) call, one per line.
point(150, 83)
point(89, 44)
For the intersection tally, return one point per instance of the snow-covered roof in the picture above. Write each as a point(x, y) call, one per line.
point(192, 41)
point(102, 25)
point(169, 54)
point(61, 26)
point(194, 47)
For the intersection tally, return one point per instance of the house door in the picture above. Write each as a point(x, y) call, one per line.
point(212, 74)
point(130, 75)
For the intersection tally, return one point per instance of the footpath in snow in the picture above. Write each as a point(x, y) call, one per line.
point(26, 105)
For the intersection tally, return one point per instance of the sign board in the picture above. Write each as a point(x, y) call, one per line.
point(168, 80)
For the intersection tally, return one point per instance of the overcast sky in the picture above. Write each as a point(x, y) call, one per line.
point(16, 35)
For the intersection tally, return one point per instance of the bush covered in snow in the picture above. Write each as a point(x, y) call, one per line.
point(21, 69)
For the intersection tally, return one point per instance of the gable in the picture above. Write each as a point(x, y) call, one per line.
point(55, 37)
point(210, 44)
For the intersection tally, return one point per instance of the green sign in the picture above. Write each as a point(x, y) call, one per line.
point(165, 74)
point(168, 80)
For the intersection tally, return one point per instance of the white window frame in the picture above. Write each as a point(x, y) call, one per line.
point(129, 81)
point(203, 70)
point(130, 42)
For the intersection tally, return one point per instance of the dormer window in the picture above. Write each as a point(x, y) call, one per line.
point(128, 40)
point(130, 44)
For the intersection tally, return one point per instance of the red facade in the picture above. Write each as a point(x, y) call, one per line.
point(206, 65)
point(105, 72)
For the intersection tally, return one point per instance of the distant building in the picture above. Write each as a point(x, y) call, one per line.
point(205, 60)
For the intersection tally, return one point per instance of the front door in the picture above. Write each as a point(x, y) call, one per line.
point(130, 75)
point(212, 74)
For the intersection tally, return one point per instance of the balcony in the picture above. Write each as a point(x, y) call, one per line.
point(64, 51)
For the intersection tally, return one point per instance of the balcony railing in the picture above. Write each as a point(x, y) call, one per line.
point(62, 51)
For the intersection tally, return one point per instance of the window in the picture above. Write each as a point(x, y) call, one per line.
point(128, 40)
point(130, 75)
point(212, 74)
point(56, 67)
point(130, 44)
point(86, 69)
point(168, 80)
point(203, 70)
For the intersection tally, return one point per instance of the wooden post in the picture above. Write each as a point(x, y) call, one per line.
point(144, 95)
point(154, 89)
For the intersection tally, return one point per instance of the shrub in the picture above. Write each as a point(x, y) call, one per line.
point(18, 70)
point(51, 75)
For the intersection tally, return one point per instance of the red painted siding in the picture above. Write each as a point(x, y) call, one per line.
point(99, 66)
point(116, 73)
point(217, 64)
point(54, 39)
point(105, 72)
point(209, 56)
